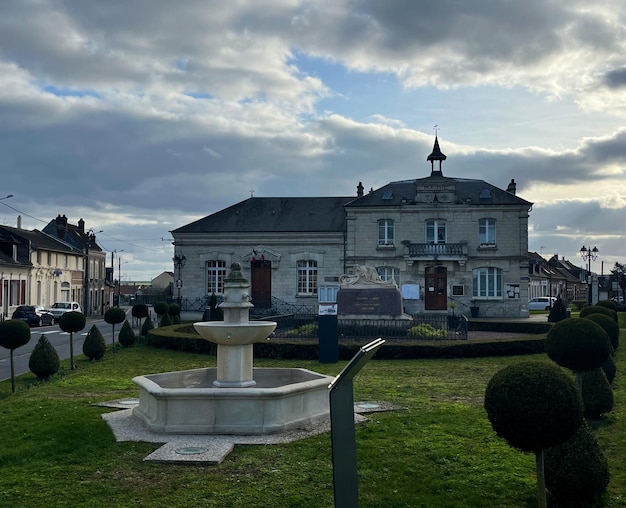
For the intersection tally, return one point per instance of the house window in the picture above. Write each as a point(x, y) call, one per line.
point(327, 294)
point(385, 232)
point(487, 231)
point(215, 271)
point(388, 273)
point(307, 277)
point(487, 283)
point(435, 231)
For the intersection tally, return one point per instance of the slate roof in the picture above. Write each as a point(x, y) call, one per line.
point(282, 215)
point(467, 191)
point(72, 235)
point(38, 241)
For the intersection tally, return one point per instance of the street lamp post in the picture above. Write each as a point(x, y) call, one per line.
point(179, 262)
point(588, 254)
point(113, 273)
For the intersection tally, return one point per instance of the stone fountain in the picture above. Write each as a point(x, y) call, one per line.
point(235, 397)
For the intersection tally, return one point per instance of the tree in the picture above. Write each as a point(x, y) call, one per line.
point(72, 322)
point(533, 406)
point(114, 316)
point(619, 274)
point(94, 346)
point(558, 312)
point(44, 360)
point(13, 334)
point(127, 336)
point(140, 311)
point(174, 312)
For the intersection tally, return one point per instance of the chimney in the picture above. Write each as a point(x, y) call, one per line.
point(359, 190)
point(61, 223)
point(19, 222)
point(81, 225)
point(512, 187)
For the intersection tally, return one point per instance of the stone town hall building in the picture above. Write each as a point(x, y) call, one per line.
point(442, 239)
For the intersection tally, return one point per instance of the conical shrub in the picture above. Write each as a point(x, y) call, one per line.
point(127, 335)
point(147, 326)
point(94, 346)
point(166, 320)
point(44, 360)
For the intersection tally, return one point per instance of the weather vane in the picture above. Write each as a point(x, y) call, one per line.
point(251, 193)
point(436, 129)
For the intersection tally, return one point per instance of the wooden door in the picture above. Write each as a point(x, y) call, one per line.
point(435, 290)
point(261, 283)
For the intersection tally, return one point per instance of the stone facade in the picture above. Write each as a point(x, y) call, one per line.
point(442, 240)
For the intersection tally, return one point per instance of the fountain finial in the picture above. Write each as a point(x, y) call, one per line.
point(235, 274)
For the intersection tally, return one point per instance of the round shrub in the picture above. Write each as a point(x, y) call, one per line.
point(127, 335)
point(558, 312)
point(577, 472)
point(44, 360)
point(139, 311)
point(533, 406)
point(94, 346)
point(72, 322)
point(578, 344)
point(173, 309)
point(609, 304)
point(115, 316)
point(14, 333)
point(147, 326)
point(598, 309)
point(597, 394)
point(161, 308)
point(608, 325)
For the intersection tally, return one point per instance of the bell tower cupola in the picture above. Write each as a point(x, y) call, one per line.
point(436, 155)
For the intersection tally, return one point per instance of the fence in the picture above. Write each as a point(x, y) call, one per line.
point(421, 327)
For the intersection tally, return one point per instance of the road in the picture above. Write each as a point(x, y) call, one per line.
point(59, 339)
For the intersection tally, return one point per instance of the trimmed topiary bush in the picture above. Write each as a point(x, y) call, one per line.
point(114, 316)
point(72, 322)
point(174, 312)
point(161, 309)
point(127, 335)
point(13, 334)
point(578, 344)
point(140, 311)
point(597, 394)
point(217, 314)
point(147, 326)
point(608, 325)
point(166, 320)
point(598, 309)
point(533, 406)
point(609, 304)
point(44, 360)
point(425, 331)
point(94, 346)
point(577, 472)
point(558, 312)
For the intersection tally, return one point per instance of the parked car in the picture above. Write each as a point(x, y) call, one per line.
point(34, 315)
point(60, 308)
point(541, 303)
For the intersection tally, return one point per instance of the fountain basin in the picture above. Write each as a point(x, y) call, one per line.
point(235, 334)
point(186, 402)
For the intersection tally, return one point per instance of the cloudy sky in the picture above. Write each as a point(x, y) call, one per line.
point(141, 116)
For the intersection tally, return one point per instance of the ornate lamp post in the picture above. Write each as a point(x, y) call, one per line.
point(588, 254)
point(179, 262)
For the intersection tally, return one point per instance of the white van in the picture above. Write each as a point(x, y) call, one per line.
point(60, 308)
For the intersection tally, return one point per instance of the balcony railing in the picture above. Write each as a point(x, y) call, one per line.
point(437, 250)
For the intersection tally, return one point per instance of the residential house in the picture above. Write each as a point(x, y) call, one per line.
point(94, 298)
point(441, 239)
point(37, 269)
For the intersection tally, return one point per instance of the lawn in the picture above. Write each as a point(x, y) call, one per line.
point(438, 451)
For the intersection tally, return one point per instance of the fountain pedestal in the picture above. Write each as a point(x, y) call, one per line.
point(234, 366)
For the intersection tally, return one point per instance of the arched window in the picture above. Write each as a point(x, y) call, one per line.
point(487, 282)
point(435, 231)
point(215, 273)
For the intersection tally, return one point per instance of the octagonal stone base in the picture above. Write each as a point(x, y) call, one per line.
point(186, 402)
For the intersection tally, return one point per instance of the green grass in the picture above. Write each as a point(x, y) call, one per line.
point(439, 451)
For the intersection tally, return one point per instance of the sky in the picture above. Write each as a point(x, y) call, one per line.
point(142, 116)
